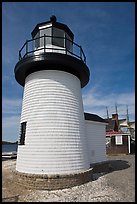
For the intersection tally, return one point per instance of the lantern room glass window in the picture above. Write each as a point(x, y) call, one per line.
point(46, 32)
point(37, 41)
point(69, 43)
point(53, 36)
point(58, 37)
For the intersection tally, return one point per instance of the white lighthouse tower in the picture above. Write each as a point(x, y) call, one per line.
point(52, 69)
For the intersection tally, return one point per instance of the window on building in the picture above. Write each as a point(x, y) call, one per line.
point(119, 140)
point(22, 134)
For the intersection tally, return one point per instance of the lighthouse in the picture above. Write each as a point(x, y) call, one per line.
point(52, 69)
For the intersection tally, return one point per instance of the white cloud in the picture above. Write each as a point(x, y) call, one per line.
point(11, 110)
point(95, 102)
point(11, 106)
point(10, 128)
point(6, 78)
point(10, 122)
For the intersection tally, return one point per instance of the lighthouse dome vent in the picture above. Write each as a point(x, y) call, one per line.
point(53, 18)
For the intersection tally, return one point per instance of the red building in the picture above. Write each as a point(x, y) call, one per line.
point(117, 142)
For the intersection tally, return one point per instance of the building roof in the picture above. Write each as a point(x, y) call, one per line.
point(113, 133)
point(132, 123)
point(121, 120)
point(112, 124)
point(124, 123)
point(115, 124)
point(93, 117)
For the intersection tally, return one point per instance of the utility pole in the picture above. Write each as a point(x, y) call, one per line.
point(107, 113)
point(127, 115)
point(116, 118)
point(116, 107)
point(128, 124)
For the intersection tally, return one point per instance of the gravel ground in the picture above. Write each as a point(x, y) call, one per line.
point(116, 186)
point(122, 179)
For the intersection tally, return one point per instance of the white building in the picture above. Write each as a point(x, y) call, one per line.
point(96, 137)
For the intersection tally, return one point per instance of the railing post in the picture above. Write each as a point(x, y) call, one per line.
point(66, 44)
point(81, 52)
point(85, 60)
point(44, 42)
point(19, 55)
point(33, 45)
point(26, 47)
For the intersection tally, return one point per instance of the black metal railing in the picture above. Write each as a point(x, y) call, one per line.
point(30, 47)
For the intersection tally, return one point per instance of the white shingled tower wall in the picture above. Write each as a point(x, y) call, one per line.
point(55, 140)
point(52, 69)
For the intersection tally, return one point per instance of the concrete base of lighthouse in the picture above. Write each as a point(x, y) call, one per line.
point(55, 140)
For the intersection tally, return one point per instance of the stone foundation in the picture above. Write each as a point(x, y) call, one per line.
point(59, 181)
point(53, 182)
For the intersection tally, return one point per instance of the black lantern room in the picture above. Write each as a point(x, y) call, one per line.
point(52, 47)
point(55, 33)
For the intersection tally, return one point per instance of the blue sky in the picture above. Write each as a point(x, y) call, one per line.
point(106, 32)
